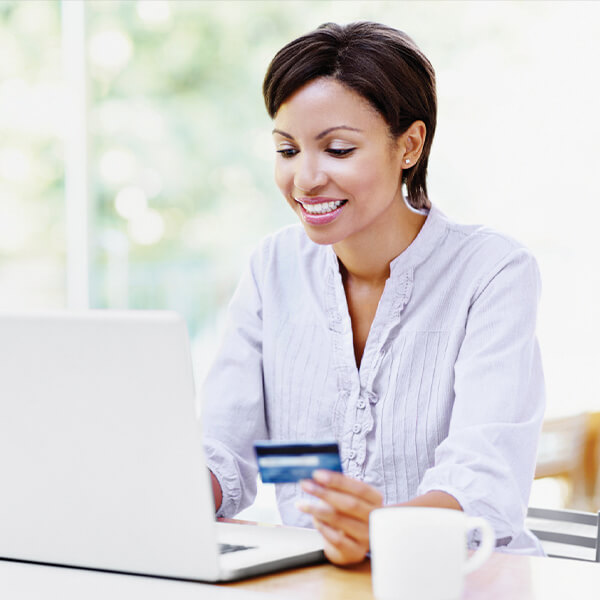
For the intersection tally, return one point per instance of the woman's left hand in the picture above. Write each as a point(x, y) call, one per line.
point(342, 516)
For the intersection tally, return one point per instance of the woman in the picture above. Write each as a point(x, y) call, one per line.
point(377, 322)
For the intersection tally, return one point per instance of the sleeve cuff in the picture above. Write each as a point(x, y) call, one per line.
point(223, 467)
point(461, 483)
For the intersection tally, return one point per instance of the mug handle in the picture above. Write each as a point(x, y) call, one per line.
point(486, 547)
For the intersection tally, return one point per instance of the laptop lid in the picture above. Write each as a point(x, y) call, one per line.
point(98, 438)
point(101, 454)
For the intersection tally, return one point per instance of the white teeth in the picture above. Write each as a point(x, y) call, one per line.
point(322, 207)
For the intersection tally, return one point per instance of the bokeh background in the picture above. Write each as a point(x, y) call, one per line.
point(173, 178)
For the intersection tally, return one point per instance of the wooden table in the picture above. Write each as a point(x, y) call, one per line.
point(503, 577)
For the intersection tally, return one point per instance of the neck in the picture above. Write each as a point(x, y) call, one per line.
point(366, 256)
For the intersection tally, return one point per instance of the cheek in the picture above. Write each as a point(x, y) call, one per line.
point(283, 176)
point(364, 179)
point(383, 175)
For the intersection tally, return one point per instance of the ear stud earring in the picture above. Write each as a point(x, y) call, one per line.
point(407, 161)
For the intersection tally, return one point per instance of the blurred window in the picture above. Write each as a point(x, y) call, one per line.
point(181, 155)
point(32, 214)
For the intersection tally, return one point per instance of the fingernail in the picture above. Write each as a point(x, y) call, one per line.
point(307, 485)
point(302, 505)
point(322, 476)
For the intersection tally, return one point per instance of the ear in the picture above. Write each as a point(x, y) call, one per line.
point(412, 140)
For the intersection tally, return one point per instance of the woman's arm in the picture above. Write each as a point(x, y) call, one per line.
point(487, 460)
point(233, 413)
point(434, 499)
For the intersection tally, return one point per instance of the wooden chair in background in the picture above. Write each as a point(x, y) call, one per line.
point(561, 454)
point(592, 460)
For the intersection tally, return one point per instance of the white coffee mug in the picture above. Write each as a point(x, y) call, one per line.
point(420, 553)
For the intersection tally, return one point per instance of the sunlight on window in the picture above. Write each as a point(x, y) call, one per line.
point(131, 202)
point(16, 225)
point(118, 166)
point(153, 11)
point(147, 228)
point(181, 152)
point(15, 165)
point(110, 50)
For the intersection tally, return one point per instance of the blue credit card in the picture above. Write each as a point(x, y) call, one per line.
point(292, 461)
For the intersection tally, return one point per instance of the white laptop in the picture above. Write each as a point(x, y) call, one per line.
point(101, 457)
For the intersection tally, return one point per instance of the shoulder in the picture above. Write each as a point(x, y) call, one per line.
point(477, 238)
point(468, 259)
point(479, 248)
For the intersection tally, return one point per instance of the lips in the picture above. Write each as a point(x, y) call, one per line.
point(320, 210)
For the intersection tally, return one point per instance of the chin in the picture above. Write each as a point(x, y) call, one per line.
point(320, 236)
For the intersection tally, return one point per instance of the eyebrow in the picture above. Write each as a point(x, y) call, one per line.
point(320, 135)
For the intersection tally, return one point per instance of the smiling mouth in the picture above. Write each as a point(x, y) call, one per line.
point(320, 208)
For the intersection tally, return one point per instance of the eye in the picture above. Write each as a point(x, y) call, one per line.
point(287, 152)
point(340, 151)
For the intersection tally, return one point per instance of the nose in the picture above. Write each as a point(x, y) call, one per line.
point(309, 176)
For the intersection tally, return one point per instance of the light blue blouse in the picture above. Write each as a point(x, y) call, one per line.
point(449, 395)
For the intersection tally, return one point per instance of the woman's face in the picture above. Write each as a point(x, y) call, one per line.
point(336, 165)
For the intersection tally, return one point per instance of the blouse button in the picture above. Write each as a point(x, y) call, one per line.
point(352, 455)
point(361, 404)
point(356, 428)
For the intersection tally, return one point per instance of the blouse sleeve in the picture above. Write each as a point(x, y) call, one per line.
point(233, 413)
point(487, 461)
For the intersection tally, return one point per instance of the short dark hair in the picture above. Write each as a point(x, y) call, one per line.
point(382, 64)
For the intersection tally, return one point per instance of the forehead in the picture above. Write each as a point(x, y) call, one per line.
point(324, 102)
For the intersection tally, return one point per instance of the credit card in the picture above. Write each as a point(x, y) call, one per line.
point(291, 461)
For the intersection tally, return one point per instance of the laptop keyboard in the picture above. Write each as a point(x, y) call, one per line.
point(226, 548)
